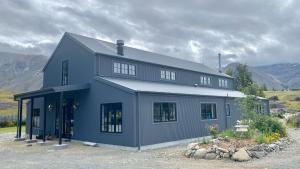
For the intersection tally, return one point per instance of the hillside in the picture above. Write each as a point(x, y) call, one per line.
point(7, 105)
point(288, 98)
point(19, 73)
point(288, 74)
point(277, 76)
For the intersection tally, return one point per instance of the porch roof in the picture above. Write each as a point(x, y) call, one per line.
point(50, 90)
point(155, 87)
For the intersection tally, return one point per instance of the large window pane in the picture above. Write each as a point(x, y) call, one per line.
point(208, 111)
point(164, 112)
point(36, 118)
point(111, 118)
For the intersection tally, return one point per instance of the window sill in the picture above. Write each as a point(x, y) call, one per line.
point(209, 119)
point(165, 122)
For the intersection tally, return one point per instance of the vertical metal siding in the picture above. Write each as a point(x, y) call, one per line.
point(151, 72)
point(189, 123)
point(81, 64)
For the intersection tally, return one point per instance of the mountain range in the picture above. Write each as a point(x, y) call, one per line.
point(276, 76)
point(20, 73)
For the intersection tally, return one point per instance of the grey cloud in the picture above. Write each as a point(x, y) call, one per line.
point(254, 32)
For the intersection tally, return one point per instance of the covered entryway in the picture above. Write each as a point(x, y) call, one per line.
point(63, 109)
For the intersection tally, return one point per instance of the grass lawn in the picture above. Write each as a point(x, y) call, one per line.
point(10, 129)
point(287, 97)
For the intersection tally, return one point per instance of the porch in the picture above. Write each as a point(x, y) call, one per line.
point(62, 105)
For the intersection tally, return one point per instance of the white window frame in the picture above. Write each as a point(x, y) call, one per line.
point(201, 79)
point(124, 68)
point(205, 80)
point(132, 70)
point(168, 75)
point(162, 74)
point(173, 76)
point(117, 67)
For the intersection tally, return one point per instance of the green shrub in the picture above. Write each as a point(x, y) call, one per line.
point(228, 133)
point(261, 138)
point(213, 130)
point(267, 138)
point(10, 123)
point(269, 125)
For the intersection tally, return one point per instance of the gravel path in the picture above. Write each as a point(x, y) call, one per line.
point(17, 155)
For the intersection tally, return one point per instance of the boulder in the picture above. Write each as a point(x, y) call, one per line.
point(210, 156)
point(241, 155)
point(223, 150)
point(258, 154)
point(200, 153)
point(191, 146)
point(226, 155)
point(189, 153)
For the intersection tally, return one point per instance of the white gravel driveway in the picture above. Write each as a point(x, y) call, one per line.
point(17, 155)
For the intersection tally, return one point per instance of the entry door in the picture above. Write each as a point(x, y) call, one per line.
point(68, 118)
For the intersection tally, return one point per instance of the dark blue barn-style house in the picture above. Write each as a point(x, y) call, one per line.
point(108, 93)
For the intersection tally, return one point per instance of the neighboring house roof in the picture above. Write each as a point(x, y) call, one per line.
point(155, 87)
point(108, 48)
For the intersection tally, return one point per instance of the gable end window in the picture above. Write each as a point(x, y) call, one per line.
point(208, 111)
point(111, 118)
point(164, 112)
point(65, 73)
point(227, 109)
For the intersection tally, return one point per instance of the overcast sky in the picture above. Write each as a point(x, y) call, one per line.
point(255, 32)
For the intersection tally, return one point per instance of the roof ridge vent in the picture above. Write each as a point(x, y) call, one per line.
point(120, 47)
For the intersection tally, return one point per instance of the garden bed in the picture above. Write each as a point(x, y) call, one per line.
point(234, 149)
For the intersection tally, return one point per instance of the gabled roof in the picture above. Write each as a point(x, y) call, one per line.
point(155, 87)
point(108, 48)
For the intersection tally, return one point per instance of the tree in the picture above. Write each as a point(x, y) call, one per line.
point(229, 71)
point(243, 78)
point(254, 89)
point(264, 87)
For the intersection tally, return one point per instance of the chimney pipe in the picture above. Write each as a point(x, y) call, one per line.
point(120, 47)
point(220, 68)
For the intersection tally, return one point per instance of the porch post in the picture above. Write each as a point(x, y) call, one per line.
point(18, 120)
point(45, 114)
point(31, 115)
point(20, 107)
point(60, 117)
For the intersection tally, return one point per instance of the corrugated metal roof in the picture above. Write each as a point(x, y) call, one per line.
point(108, 48)
point(155, 87)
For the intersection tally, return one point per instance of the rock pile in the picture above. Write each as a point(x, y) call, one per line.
point(197, 150)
